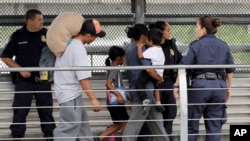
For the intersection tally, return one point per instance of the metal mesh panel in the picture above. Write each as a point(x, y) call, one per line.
point(182, 15)
point(115, 15)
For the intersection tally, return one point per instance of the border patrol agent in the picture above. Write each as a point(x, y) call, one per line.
point(26, 45)
point(172, 56)
point(213, 82)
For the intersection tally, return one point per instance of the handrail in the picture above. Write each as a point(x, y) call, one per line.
point(13, 69)
point(181, 73)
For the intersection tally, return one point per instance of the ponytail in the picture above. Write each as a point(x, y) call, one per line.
point(114, 52)
point(107, 61)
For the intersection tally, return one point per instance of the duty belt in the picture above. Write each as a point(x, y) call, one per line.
point(210, 76)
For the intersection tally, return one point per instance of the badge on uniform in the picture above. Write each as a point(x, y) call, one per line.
point(44, 75)
point(43, 38)
point(172, 52)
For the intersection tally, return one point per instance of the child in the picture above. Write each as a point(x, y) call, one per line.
point(155, 53)
point(118, 113)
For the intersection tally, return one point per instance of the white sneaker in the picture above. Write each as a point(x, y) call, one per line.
point(145, 103)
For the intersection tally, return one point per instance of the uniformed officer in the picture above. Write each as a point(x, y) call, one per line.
point(172, 56)
point(26, 45)
point(207, 50)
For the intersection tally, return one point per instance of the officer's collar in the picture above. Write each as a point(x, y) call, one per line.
point(209, 35)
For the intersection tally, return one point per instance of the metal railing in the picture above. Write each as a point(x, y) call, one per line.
point(182, 79)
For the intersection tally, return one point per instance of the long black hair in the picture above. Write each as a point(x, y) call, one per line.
point(158, 24)
point(114, 52)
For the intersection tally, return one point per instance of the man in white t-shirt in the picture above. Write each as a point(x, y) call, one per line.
point(156, 55)
point(69, 86)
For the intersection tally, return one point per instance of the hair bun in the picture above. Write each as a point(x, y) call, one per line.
point(216, 22)
point(130, 32)
point(151, 26)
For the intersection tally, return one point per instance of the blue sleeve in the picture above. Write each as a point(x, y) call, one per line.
point(146, 62)
point(189, 58)
point(10, 48)
point(230, 61)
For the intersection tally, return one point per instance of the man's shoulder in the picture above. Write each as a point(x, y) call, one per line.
point(18, 31)
point(75, 44)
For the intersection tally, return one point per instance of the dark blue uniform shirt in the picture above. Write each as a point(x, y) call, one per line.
point(26, 47)
point(208, 50)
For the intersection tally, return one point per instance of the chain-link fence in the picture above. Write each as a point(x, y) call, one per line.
point(116, 15)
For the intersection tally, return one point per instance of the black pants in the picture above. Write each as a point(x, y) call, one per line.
point(170, 111)
point(25, 100)
point(141, 82)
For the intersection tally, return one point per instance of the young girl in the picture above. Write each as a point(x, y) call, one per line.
point(118, 113)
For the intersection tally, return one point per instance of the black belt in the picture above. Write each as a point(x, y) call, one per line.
point(210, 76)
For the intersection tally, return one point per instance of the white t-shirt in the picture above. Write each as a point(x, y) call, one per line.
point(66, 83)
point(157, 57)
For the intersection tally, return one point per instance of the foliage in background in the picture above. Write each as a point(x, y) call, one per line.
point(231, 34)
point(184, 34)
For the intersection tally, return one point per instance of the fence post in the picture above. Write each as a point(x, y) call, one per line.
point(183, 105)
point(139, 11)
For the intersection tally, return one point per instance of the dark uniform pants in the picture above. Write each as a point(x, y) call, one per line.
point(170, 111)
point(212, 114)
point(24, 99)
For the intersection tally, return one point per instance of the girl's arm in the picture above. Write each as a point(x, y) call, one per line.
point(109, 85)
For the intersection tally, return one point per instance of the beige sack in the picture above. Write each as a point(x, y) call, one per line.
point(62, 28)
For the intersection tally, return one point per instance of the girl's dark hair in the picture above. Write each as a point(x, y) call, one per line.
point(114, 52)
point(159, 25)
point(210, 24)
point(136, 31)
point(155, 35)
